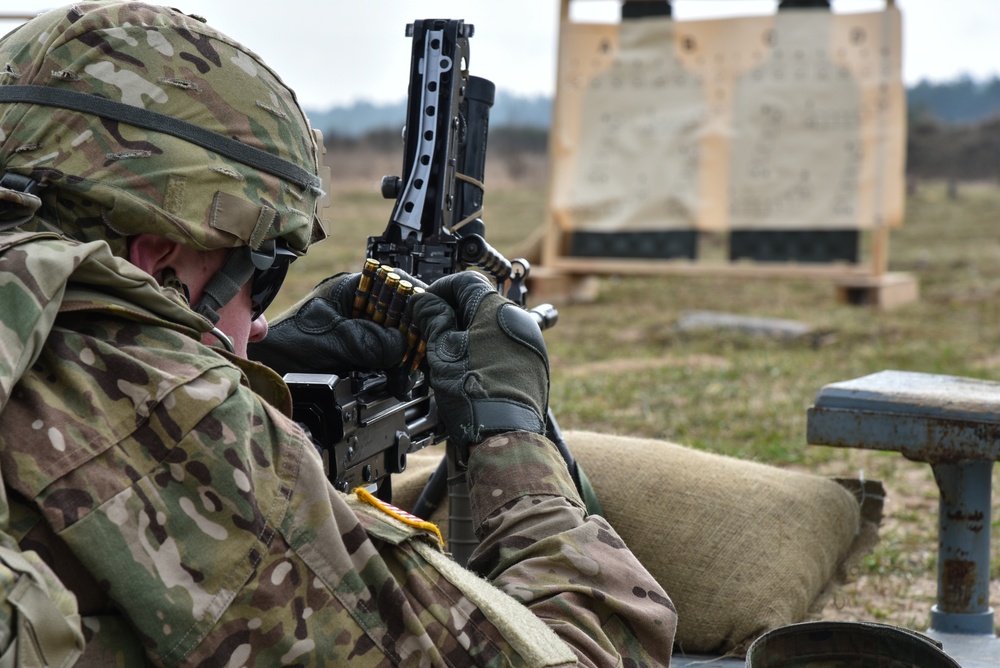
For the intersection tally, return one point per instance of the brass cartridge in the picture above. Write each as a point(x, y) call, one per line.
point(398, 304)
point(361, 294)
point(418, 356)
point(376, 290)
point(407, 319)
point(385, 297)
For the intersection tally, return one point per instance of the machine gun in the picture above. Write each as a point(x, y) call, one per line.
point(363, 430)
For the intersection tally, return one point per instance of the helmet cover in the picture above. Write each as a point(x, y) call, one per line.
point(105, 178)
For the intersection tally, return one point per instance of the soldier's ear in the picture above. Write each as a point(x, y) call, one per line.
point(153, 253)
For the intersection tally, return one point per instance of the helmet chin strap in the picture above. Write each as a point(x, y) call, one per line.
point(171, 280)
point(229, 280)
point(226, 342)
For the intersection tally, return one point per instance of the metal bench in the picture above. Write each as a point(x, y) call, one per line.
point(953, 424)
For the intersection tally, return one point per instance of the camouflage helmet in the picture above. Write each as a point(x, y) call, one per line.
point(124, 118)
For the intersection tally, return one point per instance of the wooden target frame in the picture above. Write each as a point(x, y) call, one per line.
point(786, 131)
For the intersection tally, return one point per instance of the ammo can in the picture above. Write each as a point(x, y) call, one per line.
point(832, 644)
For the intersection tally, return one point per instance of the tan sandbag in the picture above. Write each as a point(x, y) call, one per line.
point(740, 547)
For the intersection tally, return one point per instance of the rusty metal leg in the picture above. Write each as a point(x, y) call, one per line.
point(963, 598)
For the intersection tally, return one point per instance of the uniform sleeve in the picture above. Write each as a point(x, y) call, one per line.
point(572, 570)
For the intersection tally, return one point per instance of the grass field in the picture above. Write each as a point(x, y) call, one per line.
point(619, 363)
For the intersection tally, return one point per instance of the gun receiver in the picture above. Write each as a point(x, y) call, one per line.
point(362, 431)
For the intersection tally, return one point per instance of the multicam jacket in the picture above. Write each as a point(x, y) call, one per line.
point(166, 485)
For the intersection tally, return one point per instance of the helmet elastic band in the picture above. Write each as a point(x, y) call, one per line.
point(151, 120)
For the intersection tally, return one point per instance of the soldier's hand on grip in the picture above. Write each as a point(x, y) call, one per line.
point(486, 360)
point(316, 335)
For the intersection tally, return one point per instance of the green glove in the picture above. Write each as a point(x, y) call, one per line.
point(315, 336)
point(486, 360)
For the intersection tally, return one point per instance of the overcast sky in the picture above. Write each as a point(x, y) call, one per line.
point(334, 52)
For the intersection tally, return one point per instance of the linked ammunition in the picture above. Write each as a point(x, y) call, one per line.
point(404, 323)
point(418, 356)
point(413, 337)
point(385, 297)
point(376, 290)
point(361, 294)
point(398, 304)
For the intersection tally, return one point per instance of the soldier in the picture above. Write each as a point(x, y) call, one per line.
point(156, 180)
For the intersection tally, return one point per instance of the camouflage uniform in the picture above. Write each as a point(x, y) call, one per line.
point(201, 514)
point(162, 479)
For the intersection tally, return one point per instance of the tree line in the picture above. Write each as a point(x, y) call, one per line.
point(953, 132)
point(935, 149)
point(960, 102)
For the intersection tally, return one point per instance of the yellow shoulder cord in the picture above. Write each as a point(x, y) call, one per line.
point(398, 513)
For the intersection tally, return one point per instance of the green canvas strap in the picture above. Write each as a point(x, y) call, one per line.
point(45, 638)
point(535, 642)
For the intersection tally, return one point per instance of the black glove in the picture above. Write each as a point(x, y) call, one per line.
point(486, 360)
point(315, 336)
